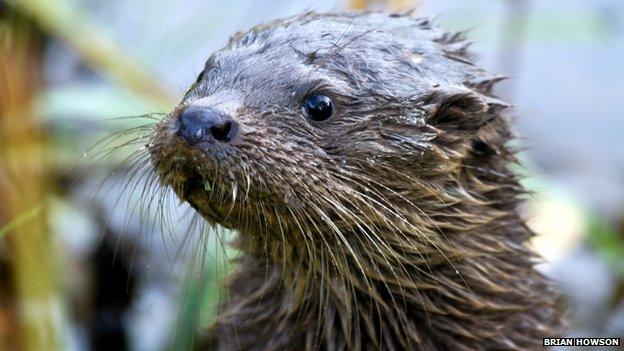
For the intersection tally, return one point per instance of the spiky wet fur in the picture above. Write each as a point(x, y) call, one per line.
point(394, 225)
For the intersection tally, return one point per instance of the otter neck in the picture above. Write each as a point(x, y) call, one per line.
point(434, 281)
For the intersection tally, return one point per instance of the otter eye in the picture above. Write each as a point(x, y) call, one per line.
point(318, 107)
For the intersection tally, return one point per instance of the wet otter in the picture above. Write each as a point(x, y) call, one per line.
point(362, 157)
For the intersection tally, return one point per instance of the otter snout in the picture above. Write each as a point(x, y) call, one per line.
point(197, 125)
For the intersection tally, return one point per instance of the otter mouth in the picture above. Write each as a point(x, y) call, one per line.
point(193, 185)
point(211, 198)
point(197, 192)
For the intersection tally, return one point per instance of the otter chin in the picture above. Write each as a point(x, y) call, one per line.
point(364, 162)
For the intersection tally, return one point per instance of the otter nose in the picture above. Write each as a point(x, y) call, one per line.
point(198, 125)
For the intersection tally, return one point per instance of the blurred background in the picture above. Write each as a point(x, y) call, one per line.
point(85, 265)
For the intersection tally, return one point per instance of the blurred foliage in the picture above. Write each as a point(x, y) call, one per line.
point(608, 243)
point(560, 28)
point(68, 23)
point(20, 219)
point(32, 261)
point(204, 289)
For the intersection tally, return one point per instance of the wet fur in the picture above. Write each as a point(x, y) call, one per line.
point(394, 225)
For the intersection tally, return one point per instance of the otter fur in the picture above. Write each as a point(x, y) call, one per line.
point(393, 224)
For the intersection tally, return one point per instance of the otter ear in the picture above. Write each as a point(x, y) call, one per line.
point(457, 108)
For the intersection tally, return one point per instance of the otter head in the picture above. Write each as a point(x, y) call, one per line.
point(328, 123)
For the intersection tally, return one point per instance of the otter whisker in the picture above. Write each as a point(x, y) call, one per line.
point(374, 242)
point(399, 216)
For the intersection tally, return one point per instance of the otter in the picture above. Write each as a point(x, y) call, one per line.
point(363, 160)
